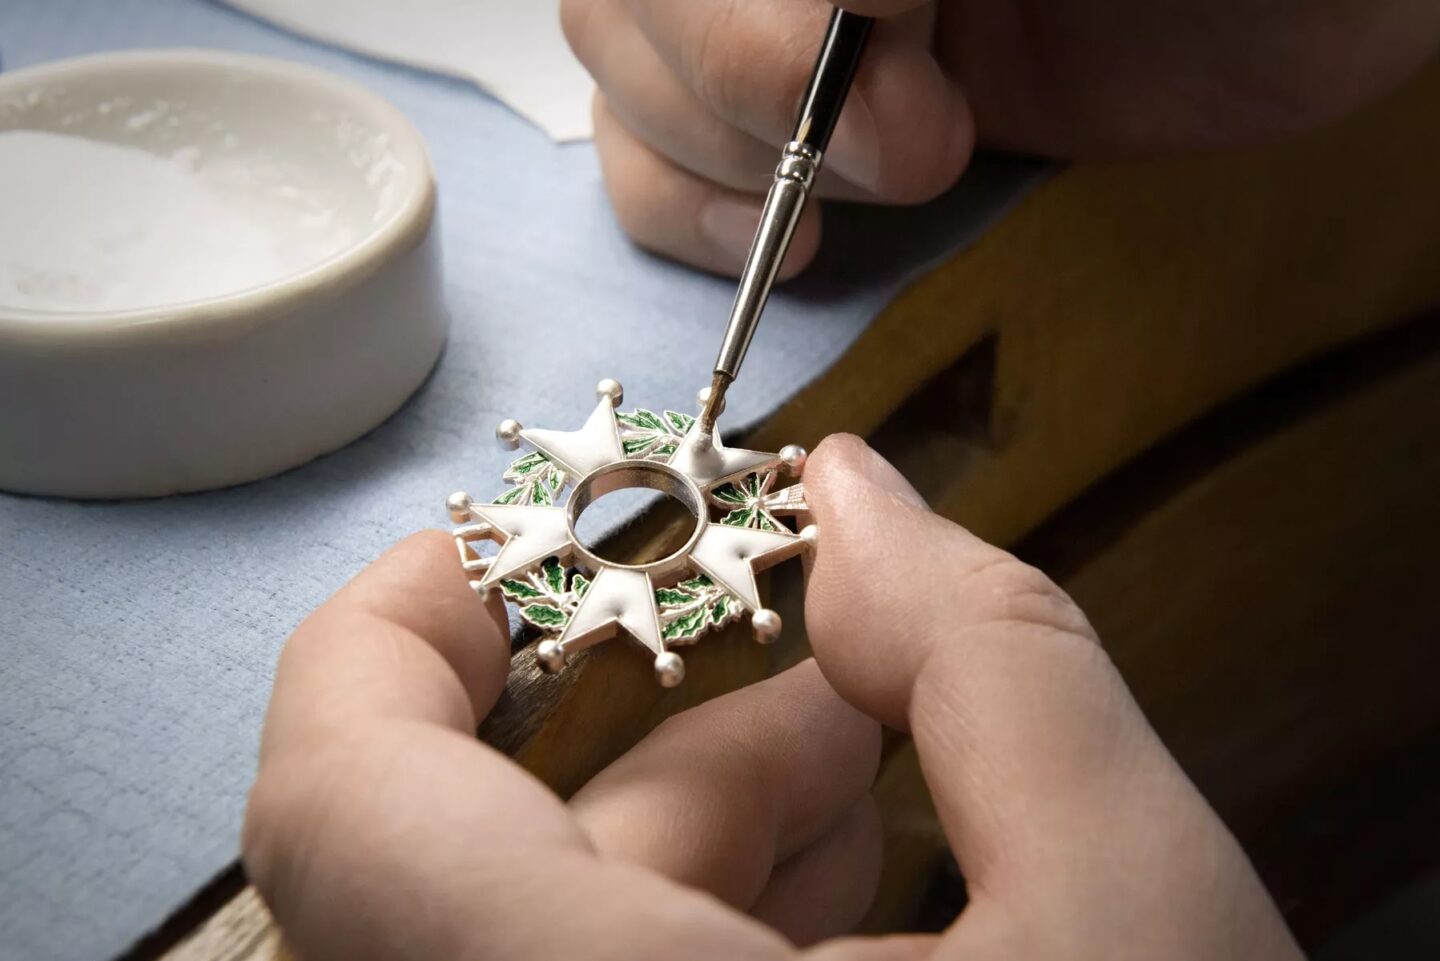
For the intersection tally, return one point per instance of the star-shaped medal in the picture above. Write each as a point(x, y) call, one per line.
point(578, 598)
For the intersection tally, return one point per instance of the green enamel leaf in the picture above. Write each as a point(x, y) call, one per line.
point(554, 575)
point(765, 522)
point(579, 584)
point(686, 627)
point(635, 446)
point(697, 583)
point(719, 611)
point(511, 496)
point(665, 448)
point(680, 422)
point(544, 615)
point(752, 485)
point(627, 419)
point(673, 596)
point(740, 518)
point(728, 494)
point(519, 591)
point(528, 464)
point(556, 481)
point(540, 493)
point(641, 419)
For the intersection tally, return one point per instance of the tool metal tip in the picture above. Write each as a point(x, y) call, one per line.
point(714, 403)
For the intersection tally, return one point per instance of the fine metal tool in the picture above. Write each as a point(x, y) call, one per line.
point(799, 164)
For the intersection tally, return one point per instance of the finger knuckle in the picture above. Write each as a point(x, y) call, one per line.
point(924, 129)
point(632, 213)
point(261, 836)
point(1008, 590)
point(292, 798)
point(718, 64)
point(915, 176)
point(621, 166)
point(671, 726)
point(720, 55)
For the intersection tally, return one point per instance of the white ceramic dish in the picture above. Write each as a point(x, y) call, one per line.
point(212, 268)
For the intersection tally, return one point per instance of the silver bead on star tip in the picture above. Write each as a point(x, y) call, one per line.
point(508, 433)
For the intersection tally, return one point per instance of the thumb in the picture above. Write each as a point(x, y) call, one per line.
point(1071, 822)
point(892, 582)
point(1017, 715)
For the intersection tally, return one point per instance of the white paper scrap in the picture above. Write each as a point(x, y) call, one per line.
point(514, 50)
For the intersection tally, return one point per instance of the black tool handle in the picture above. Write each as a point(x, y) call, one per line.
point(799, 164)
point(830, 81)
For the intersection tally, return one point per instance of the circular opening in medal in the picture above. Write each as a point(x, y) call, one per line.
point(674, 501)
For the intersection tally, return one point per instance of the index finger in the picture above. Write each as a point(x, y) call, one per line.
point(405, 639)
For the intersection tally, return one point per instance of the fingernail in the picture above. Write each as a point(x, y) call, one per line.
point(730, 226)
point(854, 151)
point(880, 472)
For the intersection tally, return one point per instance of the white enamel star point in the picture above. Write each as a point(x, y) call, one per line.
point(731, 556)
point(531, 534)
point(575, 595)
point(710, 463)
point(581, 451)
point(617, 599)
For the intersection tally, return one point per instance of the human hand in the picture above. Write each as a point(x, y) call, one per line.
point(696, 97)
point(379, 828)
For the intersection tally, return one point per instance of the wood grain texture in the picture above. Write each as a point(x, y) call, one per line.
point(239, 931)
point(1117, 304)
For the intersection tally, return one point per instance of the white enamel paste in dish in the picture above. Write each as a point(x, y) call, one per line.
point(93, 226)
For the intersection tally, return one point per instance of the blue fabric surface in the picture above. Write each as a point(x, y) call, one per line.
point(137, 639)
